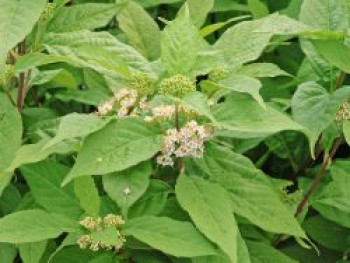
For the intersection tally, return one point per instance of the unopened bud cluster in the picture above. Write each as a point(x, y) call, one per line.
point(218, 73)
point(344, 112)
point(48, 12)
point(125, 102)
point(186, 142)
point(97, 225)
point(178, 86)
point(7, 73)
point(142, 83)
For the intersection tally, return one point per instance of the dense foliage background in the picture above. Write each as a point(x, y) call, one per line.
point(203, 131)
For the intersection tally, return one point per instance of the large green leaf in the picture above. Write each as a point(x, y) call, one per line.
point(180, 44)
point(34, 225)
point(208, 205)
point(134, 180)
point(8, 253)
point(142, 33)
point(116, 147)
point(45, 180)
point(87, 193)
point(70, 127)
point(314, 108)
point(260, 70)
point(17, 19)
point(32, 252)
point(246, 41)
point(333, 202)
point(243, 84)
point(252, 195)
point(10, 137)
point(327, 233)
point(84, 16)
point(177, 238)
point(243, 117)
point(263, 253)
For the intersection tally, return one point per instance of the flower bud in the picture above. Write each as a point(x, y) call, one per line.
point(178, 86)
point(142, 83)
point(218, 73)
point(48, 12)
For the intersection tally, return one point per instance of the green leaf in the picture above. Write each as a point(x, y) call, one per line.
point(263, 253)
point(142, 33)
point(34, 225)
point(70, 127)
point(44, 180)
point(84, 16)
point(87, 193)
point(252, 122)
point(246, 41)
point(340, 58)
point(251, 192)
point(116, 147)
point(327, 233)
point(134, 179)
point(17, 18)
point(325, 14)
point(333, 202)
point(8, 253)
point(257, 8)
point(108, 236)
point(180, 239)
point(314, 108)
point(153, 201)
point(208, 204)
point(10, 137)
point(180, 44)
point(32, 252)
point(11, 132)
point(243, 84)
point(32, 153)
point(260, 70)
point(199, 9)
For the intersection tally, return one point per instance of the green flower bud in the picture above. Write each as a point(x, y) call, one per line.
point(143, 83)
point(218, 73)
point(7, 73)
point(178, 86)
point(48, 12)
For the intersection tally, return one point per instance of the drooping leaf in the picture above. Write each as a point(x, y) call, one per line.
point(32, 252)
point(44, 179)
point(243, 117)
point(87, 193)
point(327, 233)
point(10, 137)
point(116, 147)
point(263, 253)
point(209, 207)
point(315, 108)
point(260, 70)
point(333, 202)
point(71, 127)
point(34, 225)
point(17, 18)
point(252, 194)
point(134, 180)
point(177, 238)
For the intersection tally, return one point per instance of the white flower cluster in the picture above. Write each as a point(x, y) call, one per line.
point(344, 112)
point(126, 101)
point(97, 225)
point(161, 112)
point(187, 142)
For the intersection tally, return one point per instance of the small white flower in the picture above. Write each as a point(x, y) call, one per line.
point(127, 191)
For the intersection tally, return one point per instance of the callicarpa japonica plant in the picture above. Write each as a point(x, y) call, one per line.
point(198, 131)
